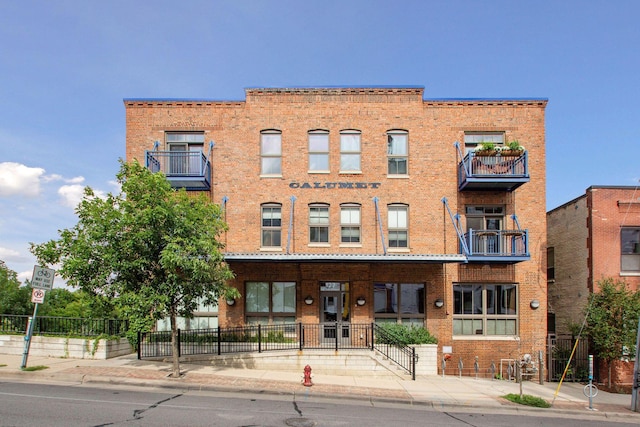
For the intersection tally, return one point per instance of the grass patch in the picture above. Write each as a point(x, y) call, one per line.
point(527, 400)
point(35, 368)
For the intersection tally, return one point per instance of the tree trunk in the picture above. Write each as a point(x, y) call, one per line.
point(174, 346)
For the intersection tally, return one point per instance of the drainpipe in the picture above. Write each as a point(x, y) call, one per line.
point(384, 246)
point(293, 202)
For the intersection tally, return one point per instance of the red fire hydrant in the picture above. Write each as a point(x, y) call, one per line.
point(307, 377)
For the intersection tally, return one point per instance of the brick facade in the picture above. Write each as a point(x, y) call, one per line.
point(585, 235)
point(432, 127)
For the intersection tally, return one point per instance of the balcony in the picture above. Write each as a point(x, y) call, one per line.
point(190, 170)
point(497, 172)
point(507, 246)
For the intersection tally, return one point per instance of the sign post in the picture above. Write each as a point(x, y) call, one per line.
point(41, 281)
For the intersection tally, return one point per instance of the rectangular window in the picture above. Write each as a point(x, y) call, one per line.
point(630, 249)
point(398, 226)
point(350, 224)
point(485, 309)
point(271, 153)
point(551, 264)
point(318, 151)
point(270, 302)
point(271, 226)
point(486, 223)
point(319, 224)
point(399, 302)
point(397, 153)
point(474, 139)
point(350, 151)
point(185, 156)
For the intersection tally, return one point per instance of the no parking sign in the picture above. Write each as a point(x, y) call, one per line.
point(37, 296)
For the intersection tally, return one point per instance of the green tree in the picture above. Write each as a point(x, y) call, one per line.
point(14, 299)
point(156, 249)
point(612, 320)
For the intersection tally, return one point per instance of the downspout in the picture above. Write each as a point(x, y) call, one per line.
point(384, 246)
point(225, 199)
point(293, 202)
point(465, 248)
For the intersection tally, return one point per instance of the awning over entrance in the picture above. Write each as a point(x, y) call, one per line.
point(388, 258)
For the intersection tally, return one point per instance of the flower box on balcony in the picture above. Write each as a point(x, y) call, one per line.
point(513, 153)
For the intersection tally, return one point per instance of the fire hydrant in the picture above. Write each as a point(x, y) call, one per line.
point(307, 377)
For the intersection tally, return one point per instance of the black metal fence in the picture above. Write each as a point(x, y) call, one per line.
point(293, 336)
point(49, 325)
point(560, 349)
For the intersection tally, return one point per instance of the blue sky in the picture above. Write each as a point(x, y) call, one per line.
point(66, 66)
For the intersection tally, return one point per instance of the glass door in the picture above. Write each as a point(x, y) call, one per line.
point(335, 311)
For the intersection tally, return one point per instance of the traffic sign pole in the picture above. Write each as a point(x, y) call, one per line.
point(41, 281)
point(27, 338)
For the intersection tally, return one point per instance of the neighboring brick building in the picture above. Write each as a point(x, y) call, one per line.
point(353, 205)
point(591, 237)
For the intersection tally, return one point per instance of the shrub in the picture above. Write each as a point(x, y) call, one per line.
point(396, 333)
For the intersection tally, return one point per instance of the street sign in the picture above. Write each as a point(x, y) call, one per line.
point(42, 278)
point(37, 296)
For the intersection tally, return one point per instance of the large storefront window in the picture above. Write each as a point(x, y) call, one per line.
point(270, 302)
point(205, 317)
point(399, 302)
point(481, 309)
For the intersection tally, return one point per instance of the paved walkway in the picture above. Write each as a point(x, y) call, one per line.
point(448, 393)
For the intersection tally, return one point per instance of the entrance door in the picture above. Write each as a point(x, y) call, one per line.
point(335, 314)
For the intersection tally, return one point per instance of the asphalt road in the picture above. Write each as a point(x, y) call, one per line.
point(29, 404)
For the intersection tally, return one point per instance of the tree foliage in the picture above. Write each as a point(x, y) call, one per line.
point(155, 249)
point(612, 320)
point(14, 299)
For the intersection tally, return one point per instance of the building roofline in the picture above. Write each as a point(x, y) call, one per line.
point(595, 187)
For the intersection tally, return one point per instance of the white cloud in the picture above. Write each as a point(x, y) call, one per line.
point(18, 179)
point(72, 194)
point(57, 177)
point(7, 254)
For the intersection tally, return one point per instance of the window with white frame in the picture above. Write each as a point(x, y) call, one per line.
point(350, 151)
point(397, 152)
point(350, 223)
point(319, 223)
point(318, 151)
point(485, 309)
point(270, 302)
point(271, 152)
point(271, 225)
point(399, 302)
point(473, 139)
point(630, 249)
point(398, 223)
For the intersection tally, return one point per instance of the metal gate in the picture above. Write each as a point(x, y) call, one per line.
point(559, 350)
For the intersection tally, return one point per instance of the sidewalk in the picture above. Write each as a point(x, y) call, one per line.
point(448, 393)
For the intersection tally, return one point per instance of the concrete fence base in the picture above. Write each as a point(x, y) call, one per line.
point(74, 348)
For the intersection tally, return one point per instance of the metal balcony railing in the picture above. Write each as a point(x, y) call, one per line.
point(495, 172)
point(497, 245)
point(184, 169)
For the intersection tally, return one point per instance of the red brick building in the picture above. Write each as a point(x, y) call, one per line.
point(591, 237)
point(369, 204)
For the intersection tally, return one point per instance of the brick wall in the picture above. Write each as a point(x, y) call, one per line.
point(433, 127)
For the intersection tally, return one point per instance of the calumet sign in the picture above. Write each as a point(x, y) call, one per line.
point(335, 185)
